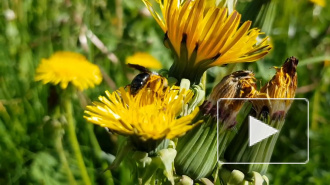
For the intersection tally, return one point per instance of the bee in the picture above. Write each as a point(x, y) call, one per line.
point(148, 79)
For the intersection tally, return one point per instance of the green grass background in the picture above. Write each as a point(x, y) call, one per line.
point(32, 127)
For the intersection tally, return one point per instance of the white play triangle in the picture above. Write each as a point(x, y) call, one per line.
point(259, 131)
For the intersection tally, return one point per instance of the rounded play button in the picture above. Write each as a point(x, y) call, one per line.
point(289, 137)
point(259, 131)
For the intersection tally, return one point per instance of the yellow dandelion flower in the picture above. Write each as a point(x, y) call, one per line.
point(145, 115)
point(205, 37)
point(145, 60)
point(67, 67)
point(321, 3)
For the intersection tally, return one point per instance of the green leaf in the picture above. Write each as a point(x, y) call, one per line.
point(313, 60)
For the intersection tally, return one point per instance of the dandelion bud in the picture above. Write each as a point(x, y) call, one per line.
point(282, 85)
point(271, 112)
point(197, 150)
point(240, 84)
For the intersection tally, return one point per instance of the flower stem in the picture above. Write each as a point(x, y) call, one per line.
point(74, 141)
point(97, 151)
point(60, 150)
point(119, 14)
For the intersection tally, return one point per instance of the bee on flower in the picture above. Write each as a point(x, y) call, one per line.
point(149, 113)
point(143, 115)
point(146, 78)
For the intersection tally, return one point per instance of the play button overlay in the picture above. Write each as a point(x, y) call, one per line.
point(289, 140)
point(259, 131)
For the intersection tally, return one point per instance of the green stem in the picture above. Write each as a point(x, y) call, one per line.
point(61, 153)
point(119, 14)
point(74, 141)
point(316, 109)
point(97, 151)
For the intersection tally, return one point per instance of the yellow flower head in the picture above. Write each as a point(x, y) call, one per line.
point(67, 67)
point(205, 37)
point(145, 115)
point(144, 59)
point(321, 3)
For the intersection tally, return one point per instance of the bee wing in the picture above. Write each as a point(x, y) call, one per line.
point(138, 67)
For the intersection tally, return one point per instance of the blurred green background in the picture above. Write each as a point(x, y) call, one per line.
point(33, 144)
